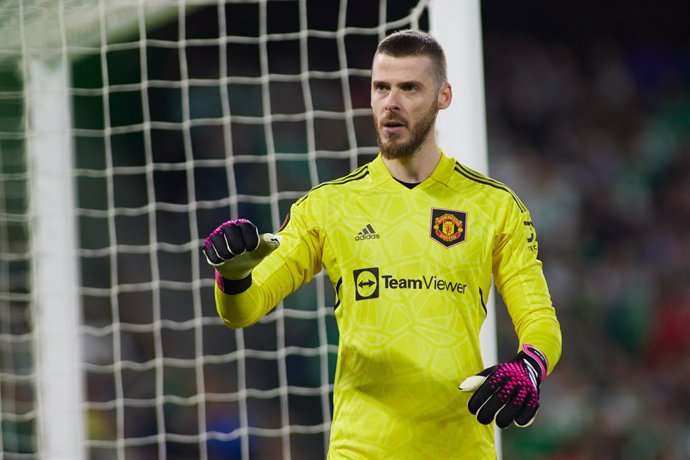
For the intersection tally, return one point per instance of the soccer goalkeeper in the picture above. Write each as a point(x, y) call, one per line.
point(411, 242)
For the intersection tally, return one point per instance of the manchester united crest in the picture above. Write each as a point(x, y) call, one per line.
point(448, 227)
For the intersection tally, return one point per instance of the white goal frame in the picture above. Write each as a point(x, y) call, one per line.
point(462, 130)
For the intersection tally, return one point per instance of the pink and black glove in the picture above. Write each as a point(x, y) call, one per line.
point(508, 392)
point(234, 249)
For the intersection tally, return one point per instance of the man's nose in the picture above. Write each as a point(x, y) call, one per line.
point(392, 101)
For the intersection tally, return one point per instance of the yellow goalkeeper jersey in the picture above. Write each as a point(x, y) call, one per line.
point(412, 269)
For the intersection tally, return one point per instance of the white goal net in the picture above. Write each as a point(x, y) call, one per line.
point(129, 129)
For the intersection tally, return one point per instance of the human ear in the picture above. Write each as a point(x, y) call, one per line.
point(445, 96)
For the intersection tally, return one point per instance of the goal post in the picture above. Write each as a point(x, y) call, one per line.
point(143, 124)
point(461, 128)
point(57, 314)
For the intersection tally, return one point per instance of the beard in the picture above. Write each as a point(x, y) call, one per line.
point(393, 149)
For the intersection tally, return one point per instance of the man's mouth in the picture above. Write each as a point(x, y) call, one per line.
point(392, 126)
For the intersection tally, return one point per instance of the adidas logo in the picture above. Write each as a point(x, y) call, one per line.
point(367, 233)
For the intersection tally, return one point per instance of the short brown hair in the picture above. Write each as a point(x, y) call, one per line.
point(406, 43)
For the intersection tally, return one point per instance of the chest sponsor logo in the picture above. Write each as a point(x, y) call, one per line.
point(448, 227)
point(368, 283)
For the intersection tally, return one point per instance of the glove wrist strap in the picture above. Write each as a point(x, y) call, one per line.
point(538, 359)
point(233, 286)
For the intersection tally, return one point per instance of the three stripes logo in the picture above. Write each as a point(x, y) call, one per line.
point(367, 233)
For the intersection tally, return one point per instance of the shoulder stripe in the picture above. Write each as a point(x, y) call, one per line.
point(481, 300)
point(482, 179)
point(358, 174)
point(337, 292)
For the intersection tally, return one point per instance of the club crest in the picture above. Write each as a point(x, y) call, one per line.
point(448, 227)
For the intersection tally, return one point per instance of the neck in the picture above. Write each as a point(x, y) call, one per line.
point(415, 168)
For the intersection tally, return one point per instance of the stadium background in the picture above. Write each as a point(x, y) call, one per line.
point(588, 110)
point(589, 120)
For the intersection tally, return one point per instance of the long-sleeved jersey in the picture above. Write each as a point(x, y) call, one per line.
point(412, 269)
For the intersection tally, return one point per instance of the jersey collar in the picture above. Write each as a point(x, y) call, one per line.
point(442, 172)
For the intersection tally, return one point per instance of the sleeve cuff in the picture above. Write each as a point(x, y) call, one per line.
point(233, 286)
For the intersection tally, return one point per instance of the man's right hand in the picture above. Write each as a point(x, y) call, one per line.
point(235, 248)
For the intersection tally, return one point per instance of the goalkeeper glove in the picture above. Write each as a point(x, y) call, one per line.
point(508, 392)
point(234, 249)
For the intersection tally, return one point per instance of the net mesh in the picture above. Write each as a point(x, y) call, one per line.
point(185, 114)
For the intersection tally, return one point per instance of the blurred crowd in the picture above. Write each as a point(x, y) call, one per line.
point(595, 138)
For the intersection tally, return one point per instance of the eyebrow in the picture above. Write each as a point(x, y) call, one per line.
point(402, 83)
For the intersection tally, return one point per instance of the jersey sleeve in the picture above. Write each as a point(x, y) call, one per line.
point(294, 263)
point(519, 278)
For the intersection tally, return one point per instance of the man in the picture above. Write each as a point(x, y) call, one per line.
point(410, 242)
